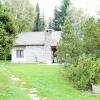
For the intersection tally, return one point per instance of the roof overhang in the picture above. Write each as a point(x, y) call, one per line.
point(29, 45)
point(53, 46)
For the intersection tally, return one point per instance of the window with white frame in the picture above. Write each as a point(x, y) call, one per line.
point(19, 53)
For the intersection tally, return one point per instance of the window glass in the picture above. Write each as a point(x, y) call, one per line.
point(20, 53)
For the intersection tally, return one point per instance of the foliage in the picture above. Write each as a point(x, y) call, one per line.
point(7, 31)
point(24, 13)
point(77, 17)
point(59, 15)
point(42, 23)
point(86, 73)
point(91, 36)
point(74, 44)
point(39, 23)
point(56, 23)
point(69, 47)
point(77, 40)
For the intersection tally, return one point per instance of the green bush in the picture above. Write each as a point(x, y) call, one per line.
point(86, 73)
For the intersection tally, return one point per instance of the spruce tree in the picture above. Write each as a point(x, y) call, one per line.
point(42, 23)
point(37, 19)
point(39, 23)
point(91, 36)
point(59, 15)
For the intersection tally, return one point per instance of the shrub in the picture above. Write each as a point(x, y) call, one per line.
point(86, 73)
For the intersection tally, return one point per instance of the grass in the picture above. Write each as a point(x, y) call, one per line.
point(46, 78)
point(7, 89)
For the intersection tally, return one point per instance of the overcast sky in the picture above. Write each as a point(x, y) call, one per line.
point(47, 6)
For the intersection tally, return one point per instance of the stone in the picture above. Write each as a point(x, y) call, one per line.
point(15, 78)
point(23, 83)
point(33, 96)
point(24, 89)
point(36, 98)
point(33, 90)
point(96, 88)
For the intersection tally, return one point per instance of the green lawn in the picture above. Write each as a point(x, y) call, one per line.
point(46, 78)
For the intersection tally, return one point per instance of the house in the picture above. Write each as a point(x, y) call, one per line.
point(33, 47)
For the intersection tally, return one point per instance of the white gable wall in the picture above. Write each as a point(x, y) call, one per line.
point(32, 54)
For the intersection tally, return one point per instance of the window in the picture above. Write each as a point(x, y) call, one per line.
point(20, 53)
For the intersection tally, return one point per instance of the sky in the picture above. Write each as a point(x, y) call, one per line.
point(47, 6)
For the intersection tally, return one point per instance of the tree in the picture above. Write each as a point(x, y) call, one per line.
point(69, 47)
point(24, 13)
point(60, 14)
point(50, 24)
point(42, 23)
point(98, 13)
point(83, 54)
point(7, 31)
point(56, 21)
point(37, 19)
point(91, 36)
point(73, 44)
point(39, 23)
point(77, 17)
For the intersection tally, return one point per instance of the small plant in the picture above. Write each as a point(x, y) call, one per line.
point(86, 73)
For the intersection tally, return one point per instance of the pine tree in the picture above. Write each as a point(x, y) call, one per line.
point(39, 23)
point(59, 15)
point(42, 22)
point(91, 36)
point(56, 21)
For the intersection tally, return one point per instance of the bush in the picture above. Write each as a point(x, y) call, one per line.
point(86, 73)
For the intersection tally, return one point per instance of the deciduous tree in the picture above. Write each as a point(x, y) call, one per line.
point(7, 31)
point(24, 13)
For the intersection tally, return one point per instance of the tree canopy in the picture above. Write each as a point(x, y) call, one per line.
point(7, 31)
point(59, 15)
point(73, 44)
point(91, 36)
point(24, 13)
point(69, 46)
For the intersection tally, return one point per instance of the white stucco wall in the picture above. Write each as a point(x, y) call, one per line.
point(15, 59)
point(32, 54)
point(48, 55)
point(35, 54)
